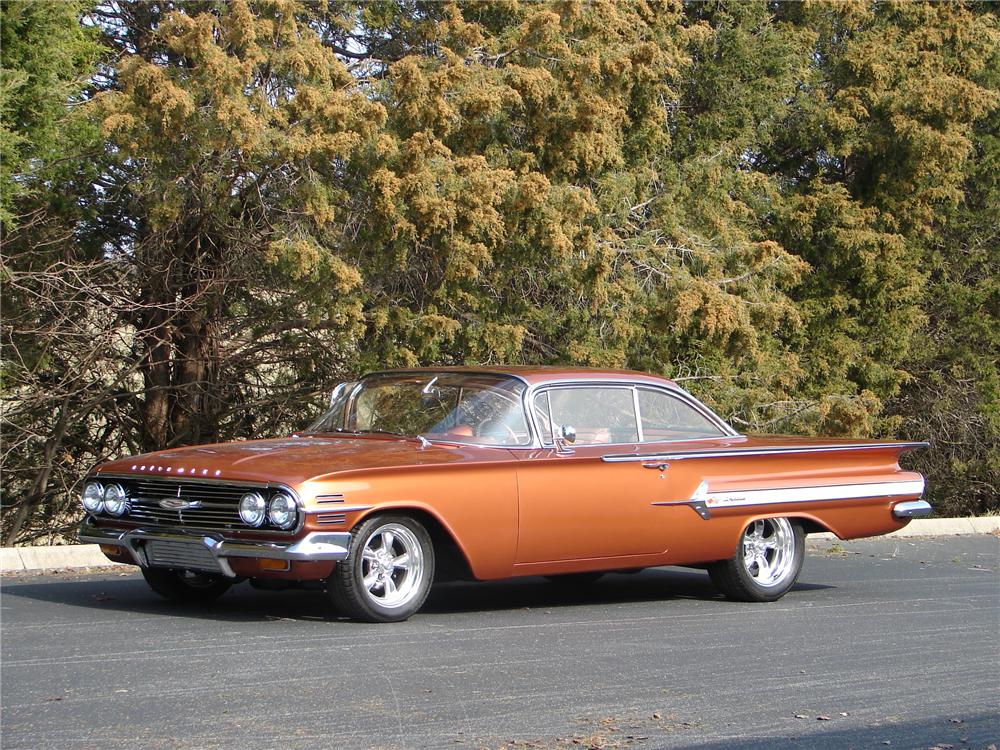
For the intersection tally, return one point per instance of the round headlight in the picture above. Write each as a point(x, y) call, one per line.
point(281, 511)
point(252, 509)
point(115, 499)
point(93, 497)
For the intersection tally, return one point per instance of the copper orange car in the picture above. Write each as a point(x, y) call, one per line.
point(488, 474)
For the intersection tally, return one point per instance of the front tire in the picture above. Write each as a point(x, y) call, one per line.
point(388, 572)
point(767, 562)
point(185, 586)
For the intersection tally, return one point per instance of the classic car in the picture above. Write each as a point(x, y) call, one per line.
point(485, 474)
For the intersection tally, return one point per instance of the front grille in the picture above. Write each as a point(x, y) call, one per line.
point(217, 509)
point(185, 555)
point(214, 515)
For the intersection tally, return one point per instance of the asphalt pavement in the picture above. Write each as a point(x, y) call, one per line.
point(883, 643)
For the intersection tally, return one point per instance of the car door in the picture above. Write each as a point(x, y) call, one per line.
point(573, 503)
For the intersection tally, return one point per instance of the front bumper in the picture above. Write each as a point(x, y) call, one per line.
point(314, 547)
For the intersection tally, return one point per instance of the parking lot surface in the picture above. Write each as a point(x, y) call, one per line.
point(883, 643)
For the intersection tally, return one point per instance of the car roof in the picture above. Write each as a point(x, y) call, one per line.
point(535, 374)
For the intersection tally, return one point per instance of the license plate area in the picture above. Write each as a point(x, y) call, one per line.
point(180, 555)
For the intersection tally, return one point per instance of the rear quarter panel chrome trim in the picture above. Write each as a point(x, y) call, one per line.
point(704, 500)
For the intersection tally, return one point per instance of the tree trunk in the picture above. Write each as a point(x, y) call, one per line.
point(41, 484)
point(156, 343)
point(194, 386)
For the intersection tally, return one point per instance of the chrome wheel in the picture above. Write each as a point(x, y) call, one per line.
point(768, 551)
point(767, 562)
point(388, 571)
point(392, 563)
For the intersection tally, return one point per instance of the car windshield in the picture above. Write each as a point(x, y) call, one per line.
point(459, 407)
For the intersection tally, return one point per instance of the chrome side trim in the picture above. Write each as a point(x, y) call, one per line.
point(316, 546)
point(737, 452)
point(813, 494)
point(912, 509)
point(339, 509)
point(703, 499)
point(698, 506)
point(336, 497)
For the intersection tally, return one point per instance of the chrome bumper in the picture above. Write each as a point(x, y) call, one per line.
point(317, 546)
point(912, 509)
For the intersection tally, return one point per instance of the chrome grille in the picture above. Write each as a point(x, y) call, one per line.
point(331, 518)
point(187, 555)
point(218, 507)
point(215, 515)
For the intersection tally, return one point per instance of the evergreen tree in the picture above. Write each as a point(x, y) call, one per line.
point(792, 208)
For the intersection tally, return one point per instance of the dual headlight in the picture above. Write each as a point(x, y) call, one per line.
point(280, 510)
point(110, 499)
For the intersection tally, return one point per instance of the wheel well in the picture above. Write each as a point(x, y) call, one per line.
point(449, 561)
point(810, 526)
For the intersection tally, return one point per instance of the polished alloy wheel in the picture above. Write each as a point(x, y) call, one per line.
point(768, 551)
point(392, 563)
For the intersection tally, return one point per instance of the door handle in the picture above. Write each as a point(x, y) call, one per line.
point(659, 466)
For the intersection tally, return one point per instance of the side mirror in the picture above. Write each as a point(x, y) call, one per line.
point(564, 437)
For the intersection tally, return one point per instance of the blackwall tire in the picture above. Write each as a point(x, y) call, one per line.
point(767, 562)
point(388, 572)
point(186, 586)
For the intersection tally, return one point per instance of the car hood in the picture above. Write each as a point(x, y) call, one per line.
point(297, 459)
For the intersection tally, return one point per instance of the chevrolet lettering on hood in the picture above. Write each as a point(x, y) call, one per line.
point(413, 476)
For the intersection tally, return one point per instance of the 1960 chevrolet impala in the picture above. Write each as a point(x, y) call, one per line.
point(488, 474)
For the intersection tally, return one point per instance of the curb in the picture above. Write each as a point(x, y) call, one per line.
point(939, 527)
point(19, 559)
point(15, 559)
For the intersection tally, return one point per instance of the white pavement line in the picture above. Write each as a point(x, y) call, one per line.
point(14, 559)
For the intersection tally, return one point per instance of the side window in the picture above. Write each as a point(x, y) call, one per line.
point(599, 415)
point(665, 417)
point(543, 416)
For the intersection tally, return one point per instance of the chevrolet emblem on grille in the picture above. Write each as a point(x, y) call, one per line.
point(175, 503)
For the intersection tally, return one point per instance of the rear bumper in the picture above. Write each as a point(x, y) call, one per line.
point(314, 547)
point(912, 509)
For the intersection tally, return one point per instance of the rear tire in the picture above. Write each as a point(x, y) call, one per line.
point(767, 562)
point(388, 571)
point(186, 586)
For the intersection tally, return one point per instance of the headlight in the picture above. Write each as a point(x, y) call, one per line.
point(252, 509)
point(115, 499)
point(281, 511)
point(93, 497)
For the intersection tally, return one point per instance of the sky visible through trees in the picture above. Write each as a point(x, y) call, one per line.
point(214, 211)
